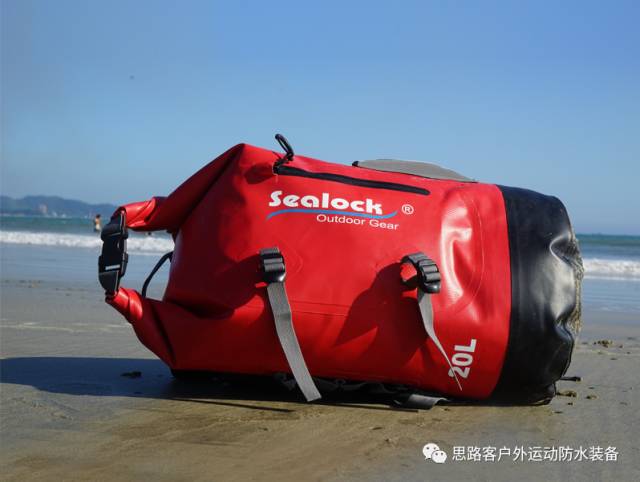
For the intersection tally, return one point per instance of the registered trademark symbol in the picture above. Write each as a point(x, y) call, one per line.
point(407, 209)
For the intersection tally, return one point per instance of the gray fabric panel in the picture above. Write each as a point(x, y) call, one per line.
point(422, 169)
point(288, 340)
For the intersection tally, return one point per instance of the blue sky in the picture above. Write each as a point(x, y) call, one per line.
point(121, 100)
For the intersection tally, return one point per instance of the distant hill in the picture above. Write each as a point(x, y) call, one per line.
point(52, 206)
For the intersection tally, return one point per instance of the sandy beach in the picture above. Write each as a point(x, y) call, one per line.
point(83, 400)
point(421, 188)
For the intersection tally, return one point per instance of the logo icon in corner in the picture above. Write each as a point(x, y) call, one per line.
point(431, 451)
point(407, 209)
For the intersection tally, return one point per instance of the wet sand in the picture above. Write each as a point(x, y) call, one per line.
point(68, 413)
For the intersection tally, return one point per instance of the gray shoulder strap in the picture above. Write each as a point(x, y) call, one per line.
point(426, 313)
point(273, 271)
point(422, 169)
point(427, 280)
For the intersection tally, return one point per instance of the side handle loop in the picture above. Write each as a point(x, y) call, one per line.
point(161, 261)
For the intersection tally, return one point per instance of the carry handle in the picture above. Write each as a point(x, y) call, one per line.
point(288, 156)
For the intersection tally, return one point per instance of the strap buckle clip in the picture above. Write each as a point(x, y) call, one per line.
point(428, 274)
point(272, 265)
point(112, 263)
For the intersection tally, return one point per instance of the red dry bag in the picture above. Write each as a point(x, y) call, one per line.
point(383, 271)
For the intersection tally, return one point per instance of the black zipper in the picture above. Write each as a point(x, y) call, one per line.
point(285, 170)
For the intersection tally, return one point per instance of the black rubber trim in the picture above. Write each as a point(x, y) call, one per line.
point(284, 170)
point(546, 276)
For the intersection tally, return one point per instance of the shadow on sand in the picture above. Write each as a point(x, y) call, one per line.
point(117, 377)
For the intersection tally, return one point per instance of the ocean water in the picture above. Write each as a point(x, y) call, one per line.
point(73, 233)
point(612, 263)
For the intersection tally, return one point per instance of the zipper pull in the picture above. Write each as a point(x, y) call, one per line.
point(288, 156)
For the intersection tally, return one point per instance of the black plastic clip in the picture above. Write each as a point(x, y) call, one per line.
point(427, 269)
point(288, 156)
point(112, 263)
point(272, 265)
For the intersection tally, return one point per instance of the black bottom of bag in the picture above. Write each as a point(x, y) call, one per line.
point(546, 276)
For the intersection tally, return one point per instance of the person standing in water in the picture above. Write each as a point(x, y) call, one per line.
point(97, 224)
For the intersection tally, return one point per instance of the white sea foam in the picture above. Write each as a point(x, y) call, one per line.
point(612, 268)
point(594, 267)
point(139, 244)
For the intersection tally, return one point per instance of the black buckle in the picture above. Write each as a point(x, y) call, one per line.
point(427, 269)
point(112, 263)
point(272, 265)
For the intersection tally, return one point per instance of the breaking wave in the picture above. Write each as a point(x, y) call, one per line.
point(627, 269)
point(612, 268)
point(135, 243)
